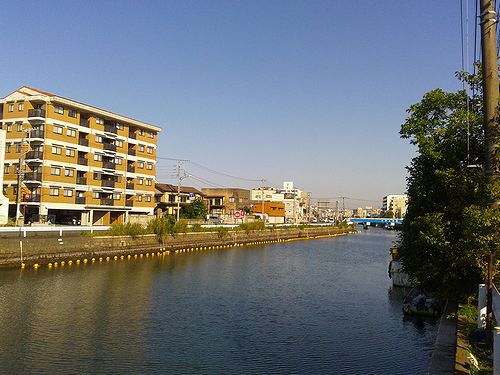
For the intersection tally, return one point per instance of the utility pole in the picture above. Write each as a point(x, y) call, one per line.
point(180, 177)
point(490, 102)
point(262, 196)
point(20, 179)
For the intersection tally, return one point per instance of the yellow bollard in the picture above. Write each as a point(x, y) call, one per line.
point(122, 257)
point(35, 266)
point(62, 263)
point(85, 260)
point(100, 259)
point(140, 255)
point(93, 260)
point(56, 264)
point(115, 257)
point(135, 256)
point(147, 255)
point(23, 266)
point(107, 259)
point(50, 265)
point(78, 261)
point(129, 256)
point(70, 262)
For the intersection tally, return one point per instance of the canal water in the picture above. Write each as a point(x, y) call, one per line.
point(306, 307)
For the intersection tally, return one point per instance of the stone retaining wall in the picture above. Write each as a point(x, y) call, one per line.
point(42, 249)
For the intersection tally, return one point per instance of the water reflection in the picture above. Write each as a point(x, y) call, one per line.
point(305, 307)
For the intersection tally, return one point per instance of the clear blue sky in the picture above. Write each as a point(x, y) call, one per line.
point(309, 91)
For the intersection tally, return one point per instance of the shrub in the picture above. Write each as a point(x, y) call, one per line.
point(128, 229)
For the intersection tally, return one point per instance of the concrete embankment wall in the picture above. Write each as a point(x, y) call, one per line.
point(41, 249)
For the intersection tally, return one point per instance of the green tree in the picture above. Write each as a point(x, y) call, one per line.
point(389, 214)
point(447, 231)
point(195, 210)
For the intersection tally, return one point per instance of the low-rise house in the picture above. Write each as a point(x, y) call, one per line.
point(167, 197)
point(273, 212)
point(224, 202)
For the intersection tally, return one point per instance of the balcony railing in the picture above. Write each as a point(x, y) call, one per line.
point(108, 183)
point(84, 122)
point(81, 181)
point(83, 142)
point(130, 186)
point(109, 147)
point(107, 202)
point(130, 168)
point(33, 198)
point(33, 176)
point(83, 161)
point(80, 200)
point(110, 129)
point(131, 151)
point(36, 133)
point(34, 155)
point(37, 112)
point(129, 203)
point(108, 165)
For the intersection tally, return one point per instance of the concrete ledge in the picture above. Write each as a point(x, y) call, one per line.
point(443, 356)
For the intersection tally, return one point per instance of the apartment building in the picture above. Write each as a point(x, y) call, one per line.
point(397, 203)
point(75, 160)
point(224, 202)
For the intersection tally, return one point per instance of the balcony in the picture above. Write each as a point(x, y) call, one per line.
point(110, 129)
point(33, 198)
point(83, 161)
point(131, 151)
point(84, 122)
point(129, 203)
point(108, 165)
point(130, 186)
point(108, 183)
point(109, 147)
point(36, 134)
point(81, 181)
point(80, 200)
point(83, 142)
point(31, 155)
point(130, 168)
point(107, 202)
point(32, 177)
point(132, 135)
point(36, 113)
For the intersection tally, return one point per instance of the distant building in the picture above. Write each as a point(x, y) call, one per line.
point(166, 197)
point(224, 202)
point(274, 211)
point(396, 203)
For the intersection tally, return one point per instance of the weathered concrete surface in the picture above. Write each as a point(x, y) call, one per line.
point(443, 356)
point(45, 249)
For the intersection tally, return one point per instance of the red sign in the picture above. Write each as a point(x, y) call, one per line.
point(239, 214)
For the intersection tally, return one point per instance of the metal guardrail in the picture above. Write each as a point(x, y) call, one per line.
point(53, 228)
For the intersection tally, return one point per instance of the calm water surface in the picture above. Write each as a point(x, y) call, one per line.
point(316, 307)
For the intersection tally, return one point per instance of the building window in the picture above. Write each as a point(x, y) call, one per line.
point(97, 157)
point(97, 176)
point(6, 169)
point(19, 126)
point(11, 107)
point(7, 147)
point(69, 172)
point(141, 148)
point(139, 197)
point(99, 121)
point(95, 195)
point(9, 127)
point(56, 150)
point(58, 129)
point(20, 107)
point(119, 126)
point(141, 131)
point(151, 135)
point(140, 181)
point(71, 132)
point(140, 164)
point(231, 200)
point(150, 150)
point(117, 196)
point(18, 147)
point(54, 191)
point(148, 198)
point(98, 139)
point(56, 171)
point(148, 182)
point(118, 143)
point(70, 152)
point(118, 161)
point(68, 192)
point(149, 166)
point(59, 109)
point(71, 113)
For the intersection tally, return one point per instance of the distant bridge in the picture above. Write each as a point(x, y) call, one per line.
point(376, 220)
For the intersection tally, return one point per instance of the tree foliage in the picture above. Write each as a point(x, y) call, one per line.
point(448, 229)
point(195, 210)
